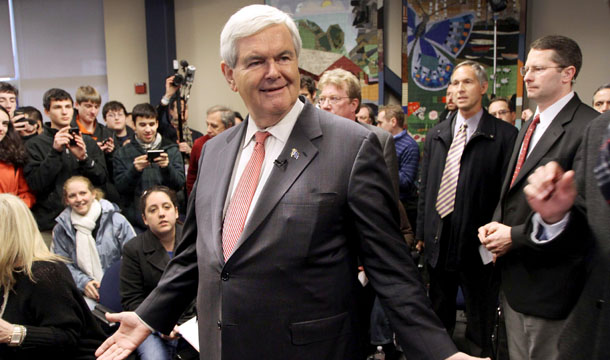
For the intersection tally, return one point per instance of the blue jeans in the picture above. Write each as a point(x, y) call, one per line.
point(381, 333)
point(156, 348)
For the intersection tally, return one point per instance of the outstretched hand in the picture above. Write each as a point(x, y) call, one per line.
point(126, 339)
point(462, 356)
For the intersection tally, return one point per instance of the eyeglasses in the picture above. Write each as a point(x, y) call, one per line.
point(499, 113)
point(537, 70)
point(332, 99)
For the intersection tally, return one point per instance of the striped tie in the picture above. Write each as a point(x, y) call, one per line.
point(445, 201)
point(242, 197)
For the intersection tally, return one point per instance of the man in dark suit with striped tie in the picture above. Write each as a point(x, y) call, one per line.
point(465, 159)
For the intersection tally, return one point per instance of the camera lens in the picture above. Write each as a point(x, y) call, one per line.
point(178, 80)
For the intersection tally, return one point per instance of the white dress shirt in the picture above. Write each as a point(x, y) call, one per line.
point(273, 148)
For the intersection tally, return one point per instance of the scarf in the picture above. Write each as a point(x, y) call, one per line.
point(153, 145)
point(87, 257)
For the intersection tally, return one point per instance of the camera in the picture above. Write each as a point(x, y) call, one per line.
point(186, 77)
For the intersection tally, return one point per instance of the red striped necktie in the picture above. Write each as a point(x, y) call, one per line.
point(524, 147)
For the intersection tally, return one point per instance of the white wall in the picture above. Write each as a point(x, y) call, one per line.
point(126, 58)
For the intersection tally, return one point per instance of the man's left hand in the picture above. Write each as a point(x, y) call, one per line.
point(496, 238)
point(107, 145)
point(162, 160)
point(79, 150)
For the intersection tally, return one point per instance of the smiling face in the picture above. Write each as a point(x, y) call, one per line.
point(79, 197)
point(146, 129)
point(266, 74)
point(160, 214)
point(87, 111)
point(60, 112)
point(4, 120)
point(468, 90)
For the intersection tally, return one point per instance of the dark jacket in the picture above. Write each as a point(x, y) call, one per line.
point(48, 169)
point(144, 260)
point(543, 280)
point(58, 322)
point(131, 183)
point(482, 169)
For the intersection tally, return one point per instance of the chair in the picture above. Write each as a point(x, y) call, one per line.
point(109, 288)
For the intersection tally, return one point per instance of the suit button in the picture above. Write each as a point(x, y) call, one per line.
point(224, 276)
point(219, 325)
point(599, 303)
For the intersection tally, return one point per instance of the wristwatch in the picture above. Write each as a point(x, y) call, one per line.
point(16, 338)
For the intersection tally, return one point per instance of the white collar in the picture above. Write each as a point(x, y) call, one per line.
point(551, 112)
point(281, 130)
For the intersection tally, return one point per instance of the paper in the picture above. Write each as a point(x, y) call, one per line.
point(190, 332)
point(486, 255)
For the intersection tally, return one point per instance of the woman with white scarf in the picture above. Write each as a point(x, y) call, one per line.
point(91, 233)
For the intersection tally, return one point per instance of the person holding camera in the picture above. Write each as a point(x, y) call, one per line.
point(169, 111)
point(57, 154)
point(148, 160)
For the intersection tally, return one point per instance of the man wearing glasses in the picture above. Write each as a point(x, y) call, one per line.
point(541, 276)
point(500, 109)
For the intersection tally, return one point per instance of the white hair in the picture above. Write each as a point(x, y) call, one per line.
point(250, 20)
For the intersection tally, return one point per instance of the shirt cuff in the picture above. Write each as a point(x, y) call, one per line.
point(543, 232)
point(145, 324)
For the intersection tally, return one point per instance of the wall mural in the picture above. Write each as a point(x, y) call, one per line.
point(439, 34)
point(339, 33)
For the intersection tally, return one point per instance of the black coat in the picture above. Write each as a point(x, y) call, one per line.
point(482, 169)
point(143, 263)
point(48, 169)
point(543, 280)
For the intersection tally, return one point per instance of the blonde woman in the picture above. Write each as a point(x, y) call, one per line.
point(42, 315)
point(90, 232)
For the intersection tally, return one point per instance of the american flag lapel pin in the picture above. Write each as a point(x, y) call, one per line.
point(294, 153)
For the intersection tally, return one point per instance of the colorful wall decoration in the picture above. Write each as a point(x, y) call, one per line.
point(340, 33)
point(439, 34)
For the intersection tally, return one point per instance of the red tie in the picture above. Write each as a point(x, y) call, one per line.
point(525, 146)
point(242, 197)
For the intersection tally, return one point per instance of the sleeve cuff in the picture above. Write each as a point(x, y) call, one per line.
point(543, 232)
point(145, 324)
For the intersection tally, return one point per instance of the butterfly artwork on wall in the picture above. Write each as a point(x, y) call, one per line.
point(432, 46)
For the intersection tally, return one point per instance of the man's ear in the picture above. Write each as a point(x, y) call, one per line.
point(568, 74)
point(228, 73)
point(484, 87)
point(394, 122)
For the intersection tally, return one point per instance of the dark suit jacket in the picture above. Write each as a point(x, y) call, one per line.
point(482, 170)
point(144, 260)
point(287, 290)
point(542, 280)
point(587, 329)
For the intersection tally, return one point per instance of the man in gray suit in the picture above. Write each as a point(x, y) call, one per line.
point(273, 264)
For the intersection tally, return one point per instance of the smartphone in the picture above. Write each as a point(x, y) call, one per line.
point(153, 154)
point(105, 141)
point(74, 131)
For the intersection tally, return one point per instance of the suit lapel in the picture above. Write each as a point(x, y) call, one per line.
point(224, 172)
point(550, 136)
point(154, 251)
point(306, 128)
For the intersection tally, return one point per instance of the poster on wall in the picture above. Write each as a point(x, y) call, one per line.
point(339, 34)
point(439, 34)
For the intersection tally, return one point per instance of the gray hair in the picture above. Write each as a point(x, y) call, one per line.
point(605, 86)
point(227, 116)
point(479, 70)
point(250, 20)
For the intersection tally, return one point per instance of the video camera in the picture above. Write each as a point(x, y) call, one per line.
point(188, 73)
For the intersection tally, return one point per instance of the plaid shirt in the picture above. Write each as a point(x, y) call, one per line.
point(602, 170)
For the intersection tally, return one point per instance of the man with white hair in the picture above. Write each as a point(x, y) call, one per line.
point(268, 244)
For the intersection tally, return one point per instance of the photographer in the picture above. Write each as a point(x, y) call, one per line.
point(27, 121)
point(168, 111)
point(57, 154)
point(148, 160)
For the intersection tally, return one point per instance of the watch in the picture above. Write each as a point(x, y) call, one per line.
point(16, 338)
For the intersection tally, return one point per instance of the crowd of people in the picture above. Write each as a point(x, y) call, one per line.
point(303, 223)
